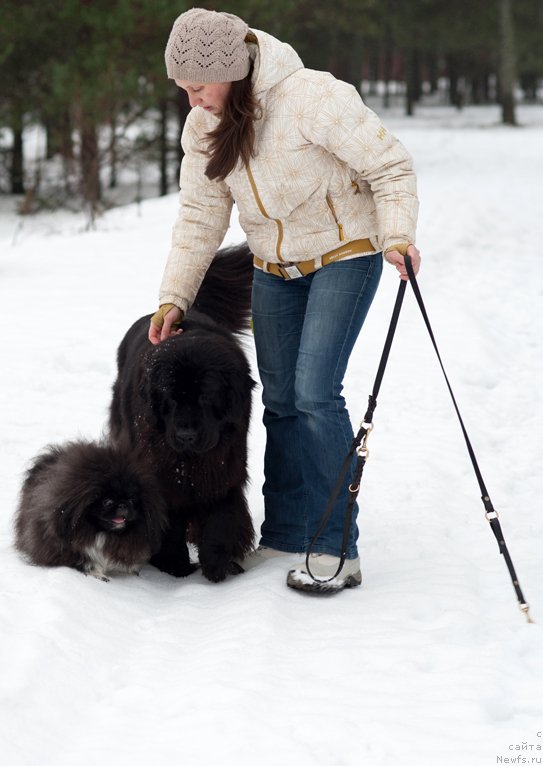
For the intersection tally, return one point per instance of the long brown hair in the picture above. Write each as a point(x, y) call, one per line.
point(234, 136)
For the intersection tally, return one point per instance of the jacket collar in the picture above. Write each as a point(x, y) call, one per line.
point(274, 61)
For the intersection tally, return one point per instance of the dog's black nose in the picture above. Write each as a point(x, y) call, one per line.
point(125, 508)
point(186, 437)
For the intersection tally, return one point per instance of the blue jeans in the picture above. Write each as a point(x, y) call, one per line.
point(305, 330)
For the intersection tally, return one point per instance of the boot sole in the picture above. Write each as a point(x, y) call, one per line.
point(303, 582)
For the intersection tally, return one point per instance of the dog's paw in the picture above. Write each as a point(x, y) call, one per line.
point(173, 566)
point(98, 575)
point(215, 571)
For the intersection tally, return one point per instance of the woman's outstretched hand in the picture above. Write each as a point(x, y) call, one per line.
point(165, 323)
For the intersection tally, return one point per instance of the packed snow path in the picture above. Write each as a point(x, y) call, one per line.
point(430, 662)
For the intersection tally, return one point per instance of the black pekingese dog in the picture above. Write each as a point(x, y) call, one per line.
point(90, 506)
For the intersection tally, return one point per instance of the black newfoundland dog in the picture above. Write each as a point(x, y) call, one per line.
point(185, 404)
point(89, 506)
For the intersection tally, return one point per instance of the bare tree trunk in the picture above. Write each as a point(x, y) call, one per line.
point(16, 171)
point(529, 86)
point(51, 139)
point(387, 71)
point(58, 129)
point(113, 153)
point(17, 164)
point(65, 135)
point(163, 147)
point(412, 78)
point(433, 72)
point(507, 63)
point(455, 91)
point(90, 166)
point(183, 111)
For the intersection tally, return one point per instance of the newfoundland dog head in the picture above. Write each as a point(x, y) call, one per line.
point(198, 388)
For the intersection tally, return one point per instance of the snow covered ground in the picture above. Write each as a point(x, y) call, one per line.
point(430, 662)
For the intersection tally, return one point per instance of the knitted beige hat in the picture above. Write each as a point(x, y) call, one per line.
point(207, 46)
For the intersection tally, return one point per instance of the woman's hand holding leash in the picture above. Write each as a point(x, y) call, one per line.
point(396, 259)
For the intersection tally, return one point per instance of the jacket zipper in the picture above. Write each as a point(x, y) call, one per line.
point(333, 211)
point(265, 214)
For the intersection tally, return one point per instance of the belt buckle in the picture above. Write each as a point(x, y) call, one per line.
point(292, 270)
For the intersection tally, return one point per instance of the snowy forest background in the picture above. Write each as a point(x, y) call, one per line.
point(89, 74)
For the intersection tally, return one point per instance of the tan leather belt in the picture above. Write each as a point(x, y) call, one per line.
point(303, 268)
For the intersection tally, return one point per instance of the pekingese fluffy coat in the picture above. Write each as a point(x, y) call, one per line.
point(89, 506)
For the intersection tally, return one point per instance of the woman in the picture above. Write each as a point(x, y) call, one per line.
point(323, 190)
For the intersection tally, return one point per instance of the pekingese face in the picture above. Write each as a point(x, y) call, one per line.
point(117, 508)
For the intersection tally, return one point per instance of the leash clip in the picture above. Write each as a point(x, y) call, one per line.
point(362, 450)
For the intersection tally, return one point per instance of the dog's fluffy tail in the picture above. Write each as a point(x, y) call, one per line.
point(225, 293)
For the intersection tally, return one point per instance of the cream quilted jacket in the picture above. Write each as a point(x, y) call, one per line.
point(326, 172)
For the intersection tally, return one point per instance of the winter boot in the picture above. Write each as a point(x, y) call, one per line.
point(323, 567)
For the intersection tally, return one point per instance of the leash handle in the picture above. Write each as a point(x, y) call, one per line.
point(490, 514)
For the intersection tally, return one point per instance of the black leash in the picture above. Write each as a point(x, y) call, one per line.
point(360, 445)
